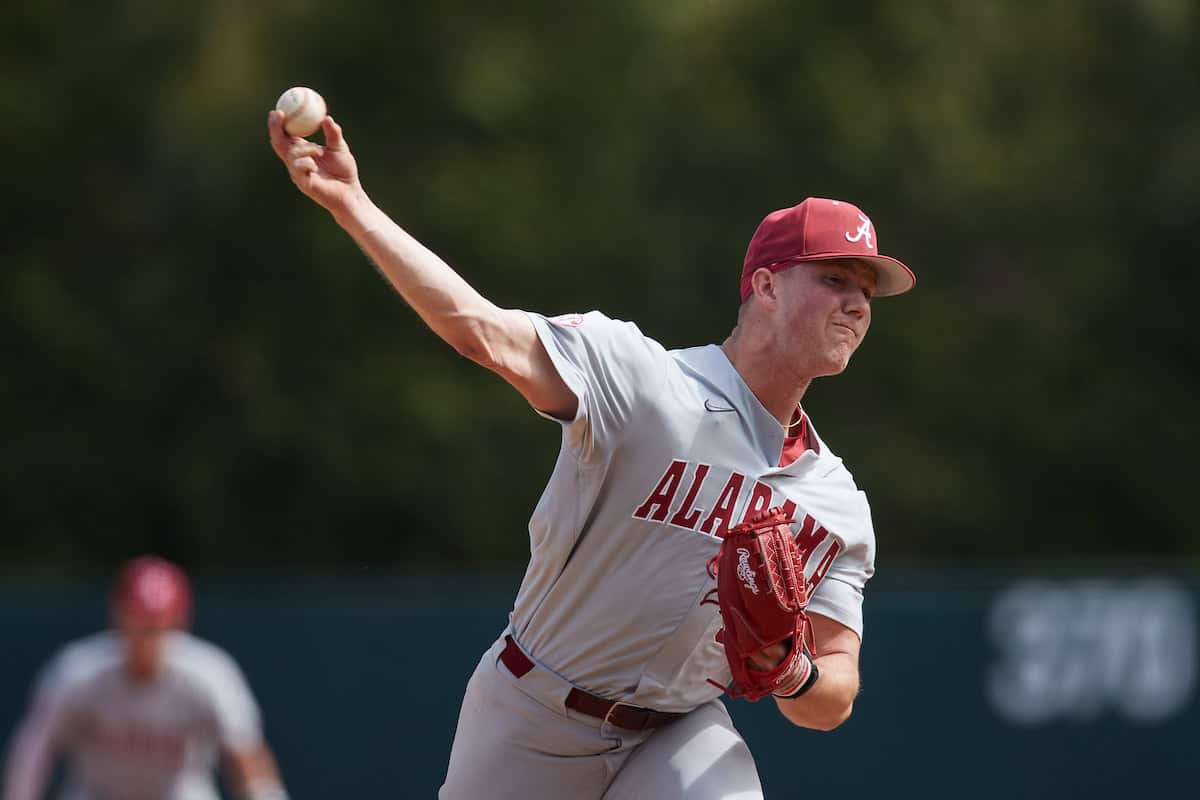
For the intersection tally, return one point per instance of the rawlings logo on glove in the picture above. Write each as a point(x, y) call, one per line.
point(762, 596)
point(745, 571)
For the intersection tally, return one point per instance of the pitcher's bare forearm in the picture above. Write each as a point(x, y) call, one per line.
point(831, 699)
point(503, 340)
point(450, 306)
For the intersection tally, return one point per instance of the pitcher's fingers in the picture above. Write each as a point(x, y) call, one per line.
point(280, 141)
point(304, 166)
point(299, 148)
point(334, 139)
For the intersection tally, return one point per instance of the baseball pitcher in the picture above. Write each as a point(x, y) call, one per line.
point(696, 536)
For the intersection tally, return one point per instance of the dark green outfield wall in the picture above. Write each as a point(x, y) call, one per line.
point(1094, 695)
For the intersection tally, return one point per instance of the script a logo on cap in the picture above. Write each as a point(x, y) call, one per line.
point(863, 233)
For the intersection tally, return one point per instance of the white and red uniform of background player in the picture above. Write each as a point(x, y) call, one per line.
point(143, 711)
point(603, 683)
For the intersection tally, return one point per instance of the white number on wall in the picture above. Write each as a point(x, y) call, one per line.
point(1074, 650)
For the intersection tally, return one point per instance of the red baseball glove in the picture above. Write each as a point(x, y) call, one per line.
point(763, 596)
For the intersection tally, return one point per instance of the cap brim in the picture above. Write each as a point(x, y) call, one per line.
point(892, 277)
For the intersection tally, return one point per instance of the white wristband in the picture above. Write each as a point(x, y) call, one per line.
point(806, 676)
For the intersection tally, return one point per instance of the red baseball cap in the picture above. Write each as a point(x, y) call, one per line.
point(817, 230)
point(152, 591)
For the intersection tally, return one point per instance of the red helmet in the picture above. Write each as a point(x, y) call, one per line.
point(152, 591)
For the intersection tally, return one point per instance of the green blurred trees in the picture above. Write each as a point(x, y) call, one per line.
point(197, 361)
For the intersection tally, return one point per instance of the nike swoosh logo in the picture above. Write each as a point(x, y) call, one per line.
point(713, 405)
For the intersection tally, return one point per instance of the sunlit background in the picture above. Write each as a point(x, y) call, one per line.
point(196, 362)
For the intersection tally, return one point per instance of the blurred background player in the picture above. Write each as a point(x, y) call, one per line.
point(143, 711)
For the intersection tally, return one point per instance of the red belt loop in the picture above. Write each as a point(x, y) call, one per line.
point(517, 662)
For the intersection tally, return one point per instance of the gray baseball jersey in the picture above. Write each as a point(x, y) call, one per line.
point(122, 739)
point(667, 451)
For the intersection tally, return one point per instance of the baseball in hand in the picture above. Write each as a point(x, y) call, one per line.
point(303, 109)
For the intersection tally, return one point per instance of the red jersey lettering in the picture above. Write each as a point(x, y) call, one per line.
point(660, 499)
point(686, 517)
point(723, 511)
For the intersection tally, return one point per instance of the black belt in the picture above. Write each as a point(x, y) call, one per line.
point(623, 715)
